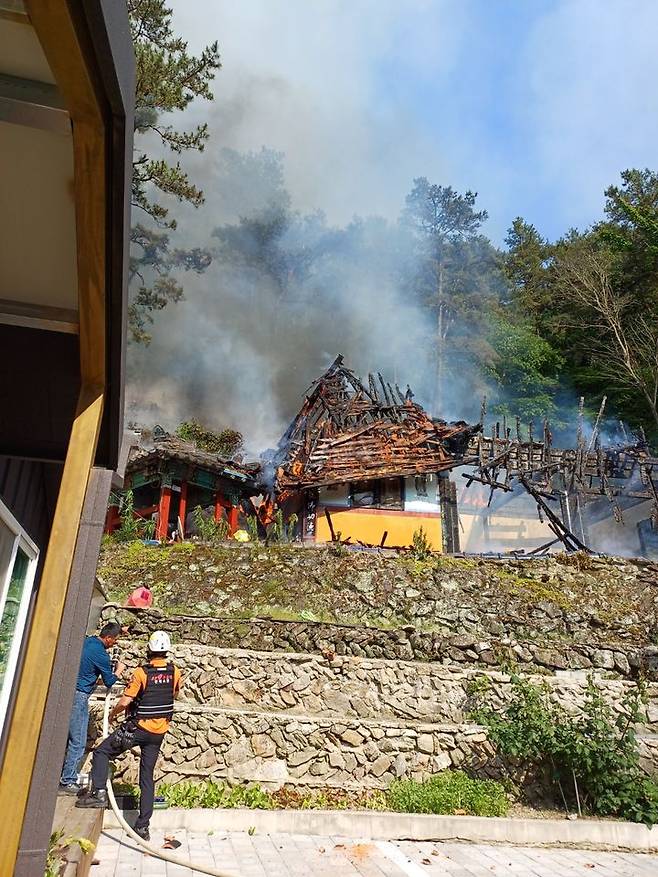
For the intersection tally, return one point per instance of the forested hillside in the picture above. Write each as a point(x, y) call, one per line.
point(534, 324)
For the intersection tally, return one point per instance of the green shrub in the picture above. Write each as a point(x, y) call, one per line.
point(58, 847)
point(592, 759)
point(224, 442)
point(421, 547)
point(281, 530)
point(213, 795)
point(252, 528)
point(132, 526)
point(448, 792)
point(208, 529)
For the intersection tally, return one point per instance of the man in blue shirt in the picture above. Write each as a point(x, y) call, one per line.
point(94, 662)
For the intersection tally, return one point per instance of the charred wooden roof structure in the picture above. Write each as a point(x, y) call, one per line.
point(347, 431)
point(581, 474)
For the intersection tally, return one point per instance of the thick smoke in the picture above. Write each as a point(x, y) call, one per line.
point(235, 352)
point(265, 320)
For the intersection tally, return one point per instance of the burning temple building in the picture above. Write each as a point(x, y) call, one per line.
point(170, 477)
point(366, 464)
point(363, 463)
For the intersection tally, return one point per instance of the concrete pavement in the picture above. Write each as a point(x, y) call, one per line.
point(289, 855)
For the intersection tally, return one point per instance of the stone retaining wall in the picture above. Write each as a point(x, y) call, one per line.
point(401, 644)
point(362, 687)
point(576, 598)
point(276, 749)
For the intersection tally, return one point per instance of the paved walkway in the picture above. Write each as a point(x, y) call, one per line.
point(287, 855)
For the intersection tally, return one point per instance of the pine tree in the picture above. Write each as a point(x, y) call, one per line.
point(168, 79)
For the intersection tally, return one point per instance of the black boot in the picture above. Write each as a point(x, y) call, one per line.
point(95, 798)
point(142, 832)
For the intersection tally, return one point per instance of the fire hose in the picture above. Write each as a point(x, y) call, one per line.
point(153, 851)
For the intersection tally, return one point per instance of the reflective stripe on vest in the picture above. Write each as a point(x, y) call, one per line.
point(157, 699)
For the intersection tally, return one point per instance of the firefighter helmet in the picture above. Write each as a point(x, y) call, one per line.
point(159, 641)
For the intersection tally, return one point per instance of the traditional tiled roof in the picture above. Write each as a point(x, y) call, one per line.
point(170, 447)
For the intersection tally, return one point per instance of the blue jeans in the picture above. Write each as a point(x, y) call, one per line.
point(77, 738)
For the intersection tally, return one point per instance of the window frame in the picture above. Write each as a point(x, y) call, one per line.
point(377, 491)
point(31, 551)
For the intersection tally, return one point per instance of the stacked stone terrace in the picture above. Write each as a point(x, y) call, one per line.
point(324, 704)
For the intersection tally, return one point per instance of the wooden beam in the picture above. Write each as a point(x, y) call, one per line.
point(57, 33)
point(232, 516)
point(13, 313)
point(32, 688)
point(13, 11)
point(221, 503)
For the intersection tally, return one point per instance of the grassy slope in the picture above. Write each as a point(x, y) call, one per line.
point(614, 597)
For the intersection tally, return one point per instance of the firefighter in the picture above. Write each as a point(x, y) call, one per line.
point(148, 701)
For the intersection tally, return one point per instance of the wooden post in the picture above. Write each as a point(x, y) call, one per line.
point(162, 530)
point(182, 506)
point(220, 502)
point(232, 519)
point(112, 519)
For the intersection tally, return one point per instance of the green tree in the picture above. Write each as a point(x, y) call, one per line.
point(527, 267)
point(525, 370)
point(619, 335)
point(631, 233)
point(225, 442)
point(459, 275)
point(168, 79)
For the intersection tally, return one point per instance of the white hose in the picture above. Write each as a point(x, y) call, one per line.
point(154, 851)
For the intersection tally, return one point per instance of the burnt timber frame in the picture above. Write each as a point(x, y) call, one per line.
point(347, 431)
point(585, 473)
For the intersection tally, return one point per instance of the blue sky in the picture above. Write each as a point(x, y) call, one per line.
point(536, 104)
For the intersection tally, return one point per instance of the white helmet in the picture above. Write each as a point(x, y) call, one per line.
point(159, 641)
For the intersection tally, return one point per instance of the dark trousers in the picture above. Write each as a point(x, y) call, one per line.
point(124, 738)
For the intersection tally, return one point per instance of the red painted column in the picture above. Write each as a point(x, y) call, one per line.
point(163, 513)
point(112, 519)
point(220, 502)
point(232, 519)
point(182, 506)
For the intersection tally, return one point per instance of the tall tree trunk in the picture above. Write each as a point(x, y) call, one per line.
point(440, 347)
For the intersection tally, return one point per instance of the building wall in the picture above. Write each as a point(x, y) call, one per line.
point(369, 525)
point(609, 537)
point(499, 523)
point(491, 532)
point(415, 501)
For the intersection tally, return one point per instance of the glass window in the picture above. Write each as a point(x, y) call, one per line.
point(363, 494)
point(18, 559)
